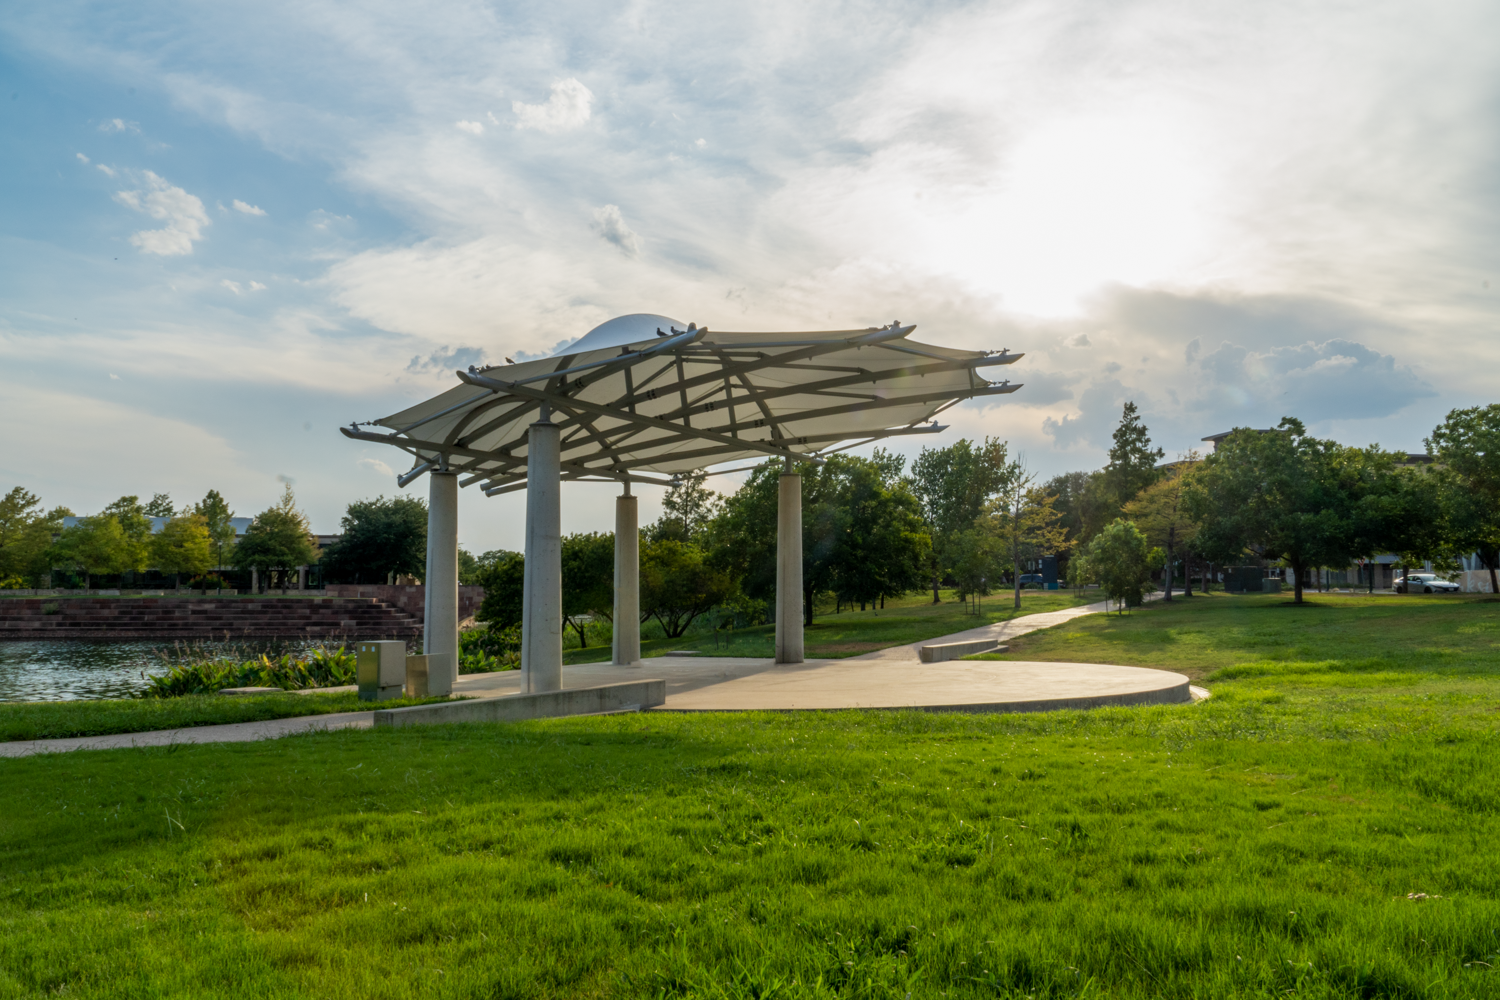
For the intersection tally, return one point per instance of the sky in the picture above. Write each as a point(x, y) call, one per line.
point(227, 229)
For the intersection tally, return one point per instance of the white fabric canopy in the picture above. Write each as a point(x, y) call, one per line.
point(639, 396)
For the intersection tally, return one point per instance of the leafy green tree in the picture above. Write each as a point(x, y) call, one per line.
point(678, 584)
point(588, 580)
point(1026, 519)
point(1132, 461)
point(1121, 558)
point(1160, 511)
point(278, 539)
point(97, 545)
point(504, 582)
point(953, 486)
point(686, 510)
point(160, 506)
point(219, 518)
point(862, 533)
point(26, 533)
point(382, 538)
point(183, 546)
point(135, 524)
point(1287, 496)
point(1467, 443)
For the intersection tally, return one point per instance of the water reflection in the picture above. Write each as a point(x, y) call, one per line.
point(73, 669)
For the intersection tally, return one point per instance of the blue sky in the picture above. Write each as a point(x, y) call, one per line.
point(230, 228)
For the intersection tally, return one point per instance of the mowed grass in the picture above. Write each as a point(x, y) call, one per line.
point(1331, 640)
point(1304, 833)
point(911, 618)
point(44, 720)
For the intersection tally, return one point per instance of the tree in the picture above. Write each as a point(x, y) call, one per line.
point(1161, 513)
point(862, 534)
point(1132, 460)
point(183, 546)
point(26, 535)
point(866, 527)
point(504, 582)
point(97, 545)
point(678, 584)
point(1467, 442)
point(1122, 559)
point(219, 518)
point(953, 485)
point(1292, 497)
point(160, 506)
point(686, 510)
point(278, 538)
point(1026, 519)
point(588, 579)
point(135, 525)
point(1080, 503)
point(382, 539)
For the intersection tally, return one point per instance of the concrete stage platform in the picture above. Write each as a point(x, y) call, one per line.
point(728, 684)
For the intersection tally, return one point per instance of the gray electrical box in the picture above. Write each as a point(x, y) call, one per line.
point(381, 669)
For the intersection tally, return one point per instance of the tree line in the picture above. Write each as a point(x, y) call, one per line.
point(1282, 496)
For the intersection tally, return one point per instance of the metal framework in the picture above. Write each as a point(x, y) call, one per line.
point(686, 400)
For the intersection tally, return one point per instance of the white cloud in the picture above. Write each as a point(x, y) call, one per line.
point(233, 286)
point(106, 171)
point(701, 143)
point(609, 223)
point(567, 108)
point(256, 286)
point(240, 206)
point(82, 158)
point(474, 128)
point(376, 465)
point(114, 377)
point(182, 212)
point(118, 125)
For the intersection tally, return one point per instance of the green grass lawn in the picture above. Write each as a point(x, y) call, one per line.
point(1334, 640)
point(1308, 832)
point(43, 720)
point(908, 619)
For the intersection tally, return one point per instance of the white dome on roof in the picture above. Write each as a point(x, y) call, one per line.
point(622, 330)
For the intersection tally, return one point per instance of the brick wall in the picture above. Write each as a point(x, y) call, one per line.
point(408, 598)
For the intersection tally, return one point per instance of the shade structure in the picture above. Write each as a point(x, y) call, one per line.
point(643, 399)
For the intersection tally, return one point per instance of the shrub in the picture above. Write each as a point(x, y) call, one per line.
point(191, 672)
point(488, 650)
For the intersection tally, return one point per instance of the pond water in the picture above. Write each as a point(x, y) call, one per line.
point(72, 669)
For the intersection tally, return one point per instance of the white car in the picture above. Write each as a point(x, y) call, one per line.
point(1424, 583)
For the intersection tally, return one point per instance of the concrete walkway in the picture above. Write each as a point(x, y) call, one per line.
point(887, 678)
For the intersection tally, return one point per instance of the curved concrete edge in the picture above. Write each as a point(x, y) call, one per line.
point(624, 696)
point(1175, 694)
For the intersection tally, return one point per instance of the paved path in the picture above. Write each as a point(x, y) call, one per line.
point(887, 678)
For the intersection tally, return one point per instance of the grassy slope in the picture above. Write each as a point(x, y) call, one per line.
point(1244, 636)
point(1264, 842)
point(41, 720)
point(909, 619)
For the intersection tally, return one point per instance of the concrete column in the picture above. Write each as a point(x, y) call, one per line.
point(541, 610)
point(254, 580)
point(301, 577)
point(789, 569)
point(440, 593)
point(627, 644)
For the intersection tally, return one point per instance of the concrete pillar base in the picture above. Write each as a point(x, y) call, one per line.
point(440, 620)
point(541, 612)
point(789, 569)
point(627, 625)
